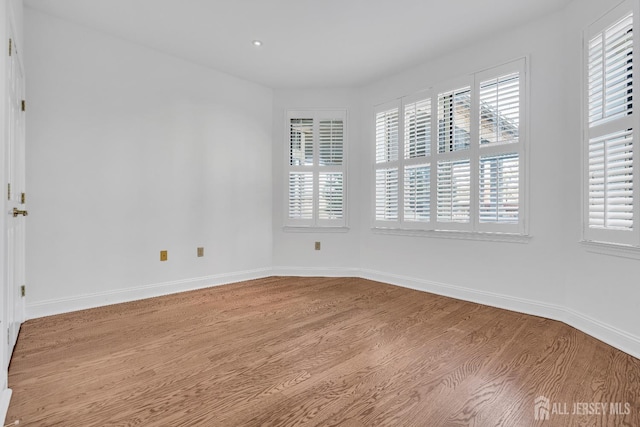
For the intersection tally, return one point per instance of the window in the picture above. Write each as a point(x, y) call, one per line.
point(316, 168)
point(471, 177)
point(611, 131)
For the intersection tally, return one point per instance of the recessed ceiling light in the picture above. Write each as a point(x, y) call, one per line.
point(257, 43)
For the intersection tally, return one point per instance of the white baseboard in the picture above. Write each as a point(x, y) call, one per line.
point(5, 399)
point(316, 272)
point(82, 302)
point(506, 302)
point(615, 337)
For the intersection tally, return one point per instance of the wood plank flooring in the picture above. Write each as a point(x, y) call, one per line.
point(314, 351)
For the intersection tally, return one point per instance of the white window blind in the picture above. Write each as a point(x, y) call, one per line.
point(417, 129)
point(454, 120)
point(500, 109)
point(610, 72)
point(471, 178)
point(500, 166)
point(417, 168)
point(387, 194)
point(301, 142)
point(611, 181)
point(316, 169)
point(454, 191)
point(500, 189)
point(331, 195)
point(301, 195)
point(417, 193)
point(387, 136)
point(331, 142)
point(611, 151)
point(387, 139)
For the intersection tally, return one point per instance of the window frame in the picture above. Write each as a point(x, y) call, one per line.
point(315, 223)
point(603, 238)
point(520, 148)
point(388, 165)
point(474, 228)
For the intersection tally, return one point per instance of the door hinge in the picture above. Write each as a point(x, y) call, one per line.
point(8, 337)
point(10, 46)
point(8, 191)
point(23, 290)
point(23, 198)
point(24, 105)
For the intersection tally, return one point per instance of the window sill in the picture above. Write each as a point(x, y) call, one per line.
point(462, 235)
point(314, 229)
point(611, 249)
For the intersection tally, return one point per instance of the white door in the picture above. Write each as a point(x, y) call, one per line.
point(15, 197)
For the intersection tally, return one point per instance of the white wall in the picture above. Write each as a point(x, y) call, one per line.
point(131, 152)
point(294, 252)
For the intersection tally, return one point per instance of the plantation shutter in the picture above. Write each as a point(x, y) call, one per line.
point(387, 196)
point(610, 73)
point(499, 197)
point(416, 183)
point(454, 120)
point(454, 191)
point(331, 195)
point(331, 175)
point(500, 110)
point(331, 142)
point(301, 142)
point(417, 129)
point(611, 149)
point(387, 136)
point(611, 181)
point(417, 193)
point(316, 176)
point(501, 132)
point(452, 158)
point(301, 195)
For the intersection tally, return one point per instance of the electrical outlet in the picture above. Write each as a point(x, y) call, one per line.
point(200, 252)
point(163, 255)
point(317, 246)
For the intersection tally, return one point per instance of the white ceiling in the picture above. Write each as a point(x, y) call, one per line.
point(307, 43)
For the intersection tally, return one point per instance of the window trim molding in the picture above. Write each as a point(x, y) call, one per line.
point(315, 229)
point(455, 234)
point(473, 230)
point(611, 249)
point(316, 224)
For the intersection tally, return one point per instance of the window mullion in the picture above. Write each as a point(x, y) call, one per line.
point(474, 148)
point(604, 74)
point(401, 123)
point(636, 131)
point(433, 185)
point(316, 169)
point(636, 185)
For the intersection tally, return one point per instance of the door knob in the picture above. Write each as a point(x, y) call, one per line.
point(17, 212)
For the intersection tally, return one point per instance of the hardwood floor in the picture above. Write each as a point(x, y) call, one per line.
point(313, 351)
